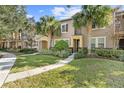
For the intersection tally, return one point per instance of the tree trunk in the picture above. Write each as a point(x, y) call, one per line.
point(51, 40)
point(89, 29)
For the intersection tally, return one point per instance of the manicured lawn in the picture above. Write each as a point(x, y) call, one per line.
point(87, 72)
point(32, 61)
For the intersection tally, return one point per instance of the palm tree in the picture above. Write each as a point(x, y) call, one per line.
point(77, 23)
point(92, 14)
point(50, 26)
point(30, 31)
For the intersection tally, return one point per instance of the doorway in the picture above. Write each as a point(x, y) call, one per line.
point(76, 45)
point(44, 44)
point(121, 43)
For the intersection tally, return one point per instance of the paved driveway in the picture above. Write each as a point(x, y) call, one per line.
point(6, 62)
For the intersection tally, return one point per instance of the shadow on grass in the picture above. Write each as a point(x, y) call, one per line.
point(29, 62)
point(81, 73)
point(98, 73)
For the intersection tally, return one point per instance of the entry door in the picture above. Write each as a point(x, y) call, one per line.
point(121, 43)
point(44, 44)
point(76, 45)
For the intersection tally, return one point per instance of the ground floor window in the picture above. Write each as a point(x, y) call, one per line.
point(93, 42)
point(98, 42)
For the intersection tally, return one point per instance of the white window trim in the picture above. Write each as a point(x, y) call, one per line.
point(96, 43)
point(61, 28)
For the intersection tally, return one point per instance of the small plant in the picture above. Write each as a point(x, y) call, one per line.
point(61, 45)
point(121, 57)
point(62, 54)
point(81, 53)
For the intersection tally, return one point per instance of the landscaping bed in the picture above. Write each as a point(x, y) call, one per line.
point(85, 72)
point(25, 62)
point(20, 51)
point(112, 54)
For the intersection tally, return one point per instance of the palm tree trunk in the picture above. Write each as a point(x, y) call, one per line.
point(89, 29)
point(51, 40)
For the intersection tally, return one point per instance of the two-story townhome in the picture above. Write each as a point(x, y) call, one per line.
point(111, 36)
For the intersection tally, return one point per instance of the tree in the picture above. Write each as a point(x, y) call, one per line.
point(50, 27)
point(77, 23)
point(61, 45)
point(11, 19)
point(30, 30)
point(98, 14)
point(38, 27)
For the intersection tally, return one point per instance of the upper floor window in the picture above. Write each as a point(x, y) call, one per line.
point(77, 32)
point(94, 26)
point(64, 28)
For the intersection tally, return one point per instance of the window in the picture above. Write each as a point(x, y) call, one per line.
point(94, 27)
point(64, 28)
point(98, 42)
point(93, 41)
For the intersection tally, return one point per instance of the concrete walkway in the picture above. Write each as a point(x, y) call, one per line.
point(6, 62)
point(21, 75)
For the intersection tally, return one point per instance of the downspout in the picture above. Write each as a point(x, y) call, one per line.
point(114, 31)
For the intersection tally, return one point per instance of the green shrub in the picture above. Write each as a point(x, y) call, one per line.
point(62, 54)
point(81, 53)
point(121, 57)
point(77, 56)
point(46, 52)
point(3, 49)
point(85, 51)
point(109, 53)
point(61, 45)
point(28, 50)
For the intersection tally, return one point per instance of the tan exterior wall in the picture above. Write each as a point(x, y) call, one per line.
point(103, 32)
point(106, 32)
point(69, 34)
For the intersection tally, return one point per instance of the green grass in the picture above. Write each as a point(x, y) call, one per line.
point(87, 72)
point(32, 61)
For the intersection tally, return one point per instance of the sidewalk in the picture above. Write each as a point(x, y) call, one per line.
point(21, 75)
point(6, 62)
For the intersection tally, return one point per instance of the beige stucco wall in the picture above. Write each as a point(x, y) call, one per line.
point(103, 32)
point(107, 32)
point(68, 34)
